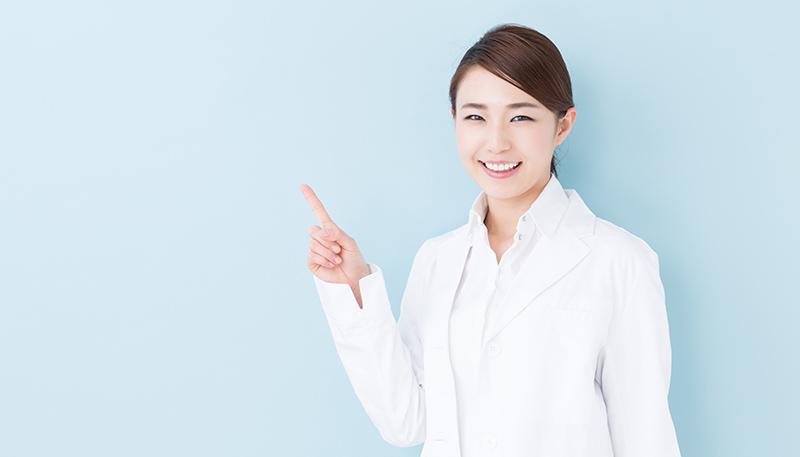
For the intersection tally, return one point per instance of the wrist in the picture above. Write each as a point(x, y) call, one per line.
point(355, 285)
point(355, 280)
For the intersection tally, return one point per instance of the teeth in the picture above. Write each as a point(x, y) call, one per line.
point(503, 167)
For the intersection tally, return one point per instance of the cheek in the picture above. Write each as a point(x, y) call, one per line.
point(532, 137)
point(469, 143)
point(535, 145)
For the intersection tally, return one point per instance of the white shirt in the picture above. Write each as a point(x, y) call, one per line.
point(483, 285)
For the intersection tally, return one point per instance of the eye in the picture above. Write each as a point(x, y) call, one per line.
point(472, 116)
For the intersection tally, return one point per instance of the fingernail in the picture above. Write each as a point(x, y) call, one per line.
point(338, 259)
point(336, 248)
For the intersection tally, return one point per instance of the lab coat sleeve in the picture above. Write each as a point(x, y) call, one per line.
point(635, 364)
point(382, 357)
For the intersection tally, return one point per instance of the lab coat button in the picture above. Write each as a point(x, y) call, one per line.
point(494, 349)
point(524, 217)
point(519, 237)
point(491, 442)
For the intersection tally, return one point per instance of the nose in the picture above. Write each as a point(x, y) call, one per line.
point(498, 139)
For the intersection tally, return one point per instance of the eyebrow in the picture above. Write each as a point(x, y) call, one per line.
point(510, 105)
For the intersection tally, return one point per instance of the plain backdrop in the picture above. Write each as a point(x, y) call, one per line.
point(154, 294)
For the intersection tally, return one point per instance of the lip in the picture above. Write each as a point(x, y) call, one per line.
point(500, 174)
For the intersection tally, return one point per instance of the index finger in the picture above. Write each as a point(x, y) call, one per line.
point(316, 205)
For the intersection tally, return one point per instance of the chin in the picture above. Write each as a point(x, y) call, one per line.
point(501, 192)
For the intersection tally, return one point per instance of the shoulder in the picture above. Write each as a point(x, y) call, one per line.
point(609, 242)
point(621, 247)
point(431, 245)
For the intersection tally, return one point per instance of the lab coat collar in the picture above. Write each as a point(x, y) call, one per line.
point(551, 259)
point(544, 213)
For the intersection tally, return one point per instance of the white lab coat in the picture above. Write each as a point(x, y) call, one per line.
point(577, 362)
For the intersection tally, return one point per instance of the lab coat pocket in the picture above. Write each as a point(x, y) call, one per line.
point(570, 327)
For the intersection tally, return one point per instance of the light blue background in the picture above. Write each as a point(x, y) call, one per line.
point(154, 296)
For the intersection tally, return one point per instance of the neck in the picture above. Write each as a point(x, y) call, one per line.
point(502, 215)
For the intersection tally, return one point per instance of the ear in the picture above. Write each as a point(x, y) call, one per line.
point(565, 125)
point(452, 113)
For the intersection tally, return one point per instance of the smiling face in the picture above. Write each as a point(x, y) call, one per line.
point(498, 123)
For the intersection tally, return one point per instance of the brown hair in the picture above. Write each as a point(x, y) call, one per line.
point(526, 59)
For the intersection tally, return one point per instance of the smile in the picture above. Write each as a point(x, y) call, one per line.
point(500, 170)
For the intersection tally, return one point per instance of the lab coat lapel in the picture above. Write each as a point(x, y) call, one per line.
point(442, 405)
point(550, 260)
point(450, 266)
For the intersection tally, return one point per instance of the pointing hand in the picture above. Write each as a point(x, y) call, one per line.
point(326, 248)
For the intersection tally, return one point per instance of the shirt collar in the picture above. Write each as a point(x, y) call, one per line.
point(544, 213)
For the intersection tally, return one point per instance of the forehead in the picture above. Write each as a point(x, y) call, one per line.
point(479, 85)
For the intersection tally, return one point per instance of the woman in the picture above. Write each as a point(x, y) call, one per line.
point(536, 328)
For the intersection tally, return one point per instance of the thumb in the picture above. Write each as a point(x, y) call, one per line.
point(332, 232)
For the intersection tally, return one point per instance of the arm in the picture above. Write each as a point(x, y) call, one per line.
point(635, 363)
point(382, 358)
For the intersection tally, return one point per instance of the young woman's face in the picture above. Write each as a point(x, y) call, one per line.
point(489, 130)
